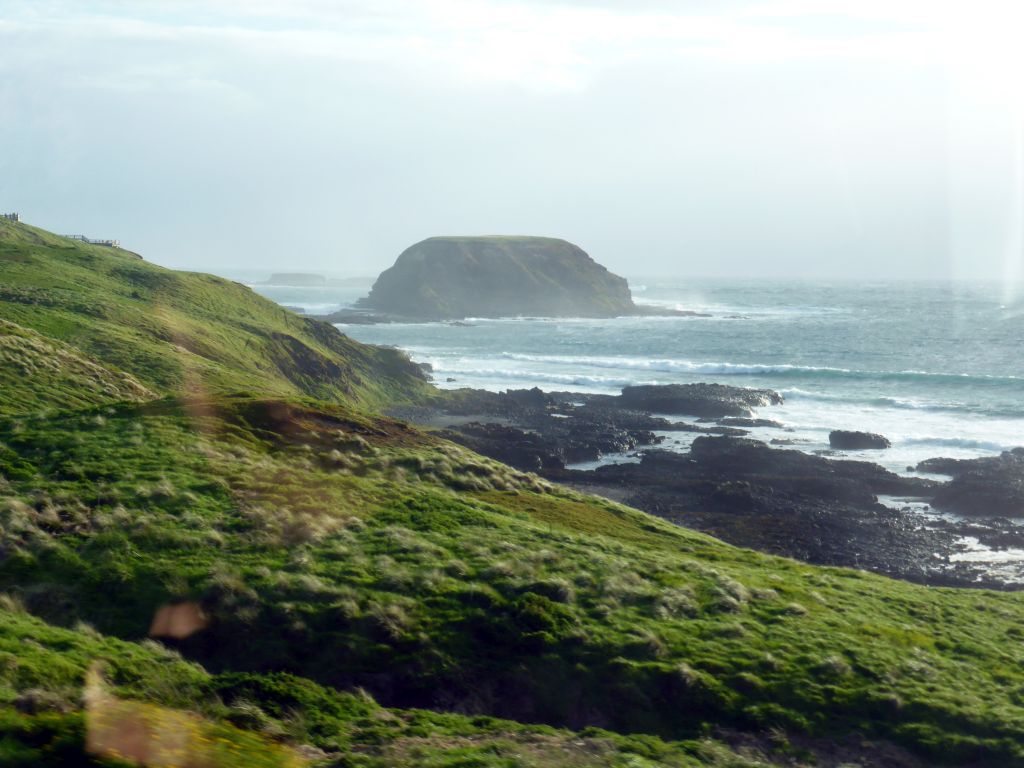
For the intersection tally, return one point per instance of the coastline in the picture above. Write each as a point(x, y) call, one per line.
point(931, 367)
point(827, 508)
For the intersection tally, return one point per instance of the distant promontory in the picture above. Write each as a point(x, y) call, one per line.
point(309, 280)
point(448, 278)
point(296, 280)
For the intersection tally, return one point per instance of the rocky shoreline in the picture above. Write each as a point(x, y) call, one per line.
point(821, 509)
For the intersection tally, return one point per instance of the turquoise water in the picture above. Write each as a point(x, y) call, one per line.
point(936, 367)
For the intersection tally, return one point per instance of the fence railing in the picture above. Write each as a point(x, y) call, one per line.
point(91, 241)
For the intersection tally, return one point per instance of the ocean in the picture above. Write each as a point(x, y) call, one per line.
point(936, 367)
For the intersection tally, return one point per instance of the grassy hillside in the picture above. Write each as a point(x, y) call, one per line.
point(60, 687)
point(172, 332)
point(358, 552)
point(332, 552)
point(37, 372)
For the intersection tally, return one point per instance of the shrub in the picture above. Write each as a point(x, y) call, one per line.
point(537, 621)
point(794, 609)
point(675, 603)
point(645, 644)
point(392, 621)
point(34, 701)
point(558, 590)
point(833, 666)
point(248, 715)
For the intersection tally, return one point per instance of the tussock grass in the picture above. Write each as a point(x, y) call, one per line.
point(531, 573)
point(37, 373)
point(355, 551)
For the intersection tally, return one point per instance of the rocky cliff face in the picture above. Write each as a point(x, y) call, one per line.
point(455, 277)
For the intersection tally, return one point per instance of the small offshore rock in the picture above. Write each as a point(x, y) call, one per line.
point(845, 440)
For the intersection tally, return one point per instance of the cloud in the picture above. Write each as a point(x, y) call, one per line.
point(755, 136)
point(532, 44)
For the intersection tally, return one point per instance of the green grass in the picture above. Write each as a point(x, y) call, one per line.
point(36, 372)
point(57, 685)
point(348, 546)
point(173, 332)
point(335, 551)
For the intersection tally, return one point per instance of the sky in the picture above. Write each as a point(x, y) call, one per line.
point(862, 139)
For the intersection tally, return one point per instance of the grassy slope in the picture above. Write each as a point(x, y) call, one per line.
point(355, 551)
point(250, 720)
point(37, 372)
point(178, 332)
point(361, 552)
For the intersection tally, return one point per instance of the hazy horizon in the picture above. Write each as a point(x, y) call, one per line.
point(636, 279)
point(785, 139)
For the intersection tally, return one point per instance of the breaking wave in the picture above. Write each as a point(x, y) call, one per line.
point(781, 370)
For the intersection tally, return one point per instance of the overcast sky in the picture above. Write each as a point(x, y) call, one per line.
point(816, 138)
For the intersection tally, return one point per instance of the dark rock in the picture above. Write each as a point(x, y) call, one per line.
point(952, 467)
point(515, 447)
point(529, 398)
point(710, 400)
point(743, 421)
point(752, 457)
point(857, 441)
point(480, 402)
point(726, 431)
point(991, 486)
point(547, 443)
point(787, 502)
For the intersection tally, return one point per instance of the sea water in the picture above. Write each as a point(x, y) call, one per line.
point(936, 367)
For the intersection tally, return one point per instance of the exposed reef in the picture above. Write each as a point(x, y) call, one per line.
point(821, 510)
point(709, 400)
point(991, 486)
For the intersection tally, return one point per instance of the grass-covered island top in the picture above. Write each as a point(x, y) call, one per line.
point(444, 278)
